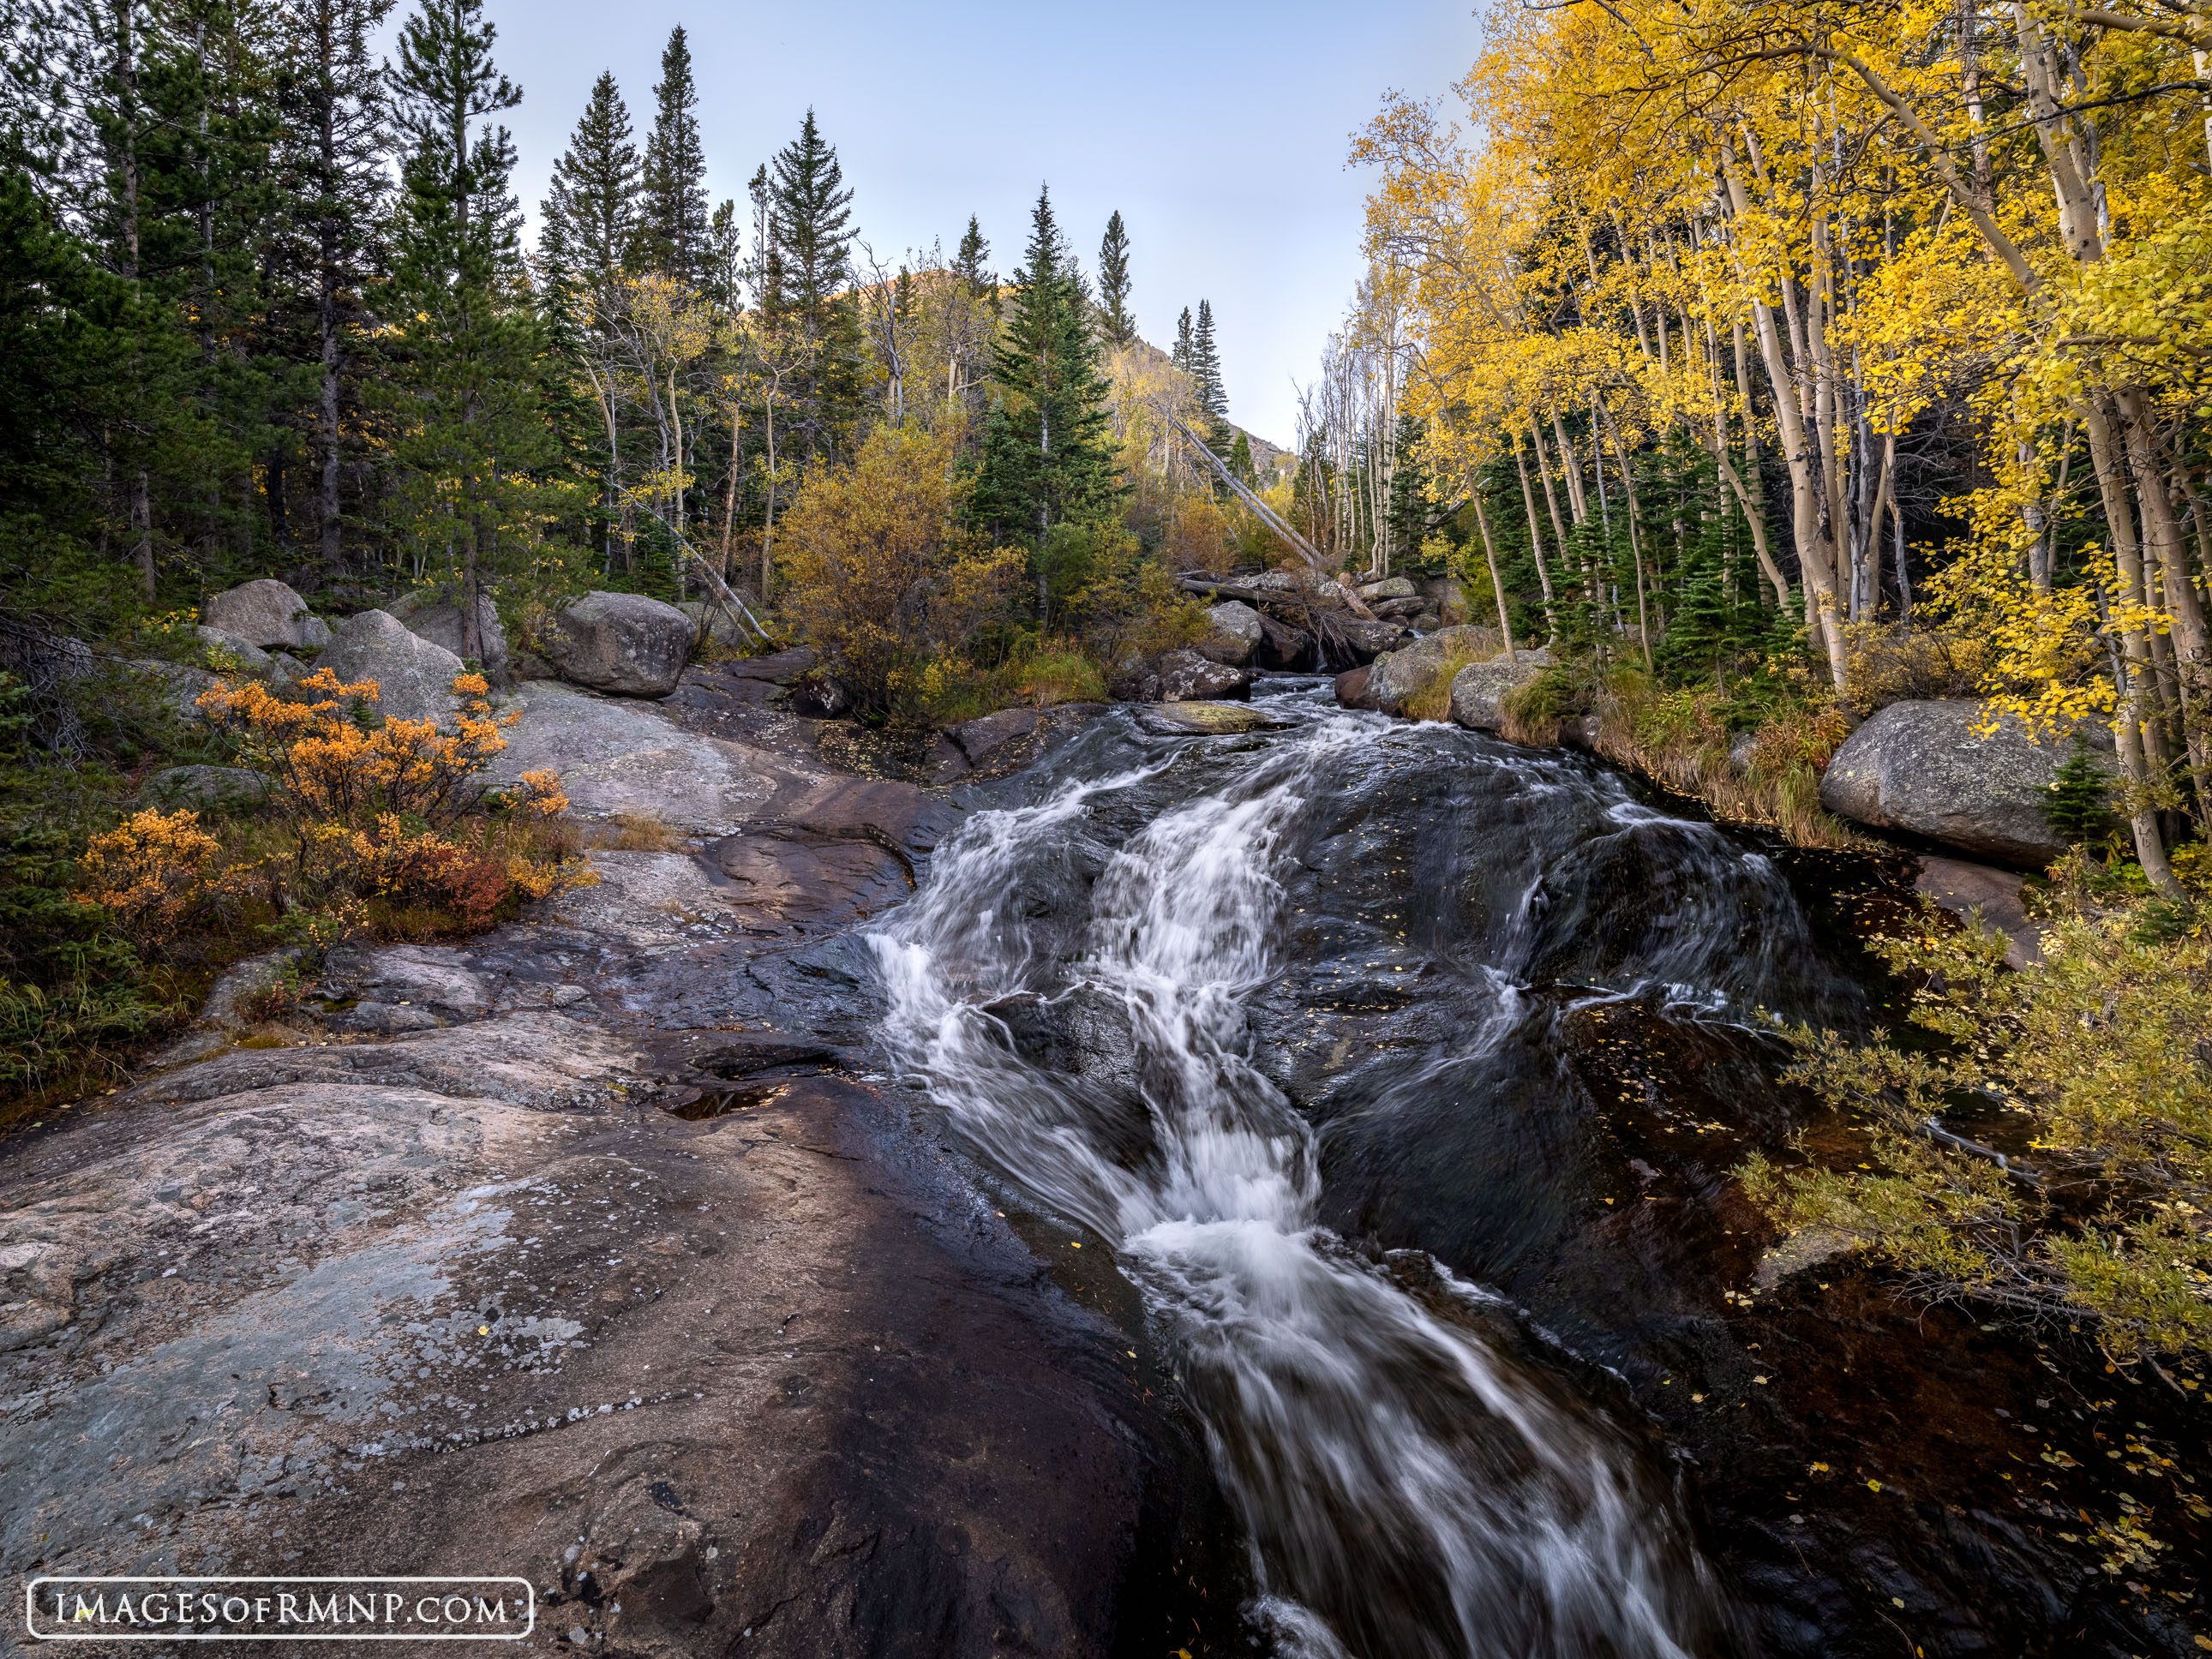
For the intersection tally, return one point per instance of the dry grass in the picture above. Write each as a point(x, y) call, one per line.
point(1680, 738)
point(1433, 700)
point(638, 832)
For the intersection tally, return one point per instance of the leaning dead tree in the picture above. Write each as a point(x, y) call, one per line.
point(1265, 513)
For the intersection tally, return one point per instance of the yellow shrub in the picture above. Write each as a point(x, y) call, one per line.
point(384, 825)
point(153, 872)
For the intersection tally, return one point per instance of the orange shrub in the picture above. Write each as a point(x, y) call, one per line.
point(153, 873)
point(385, 823)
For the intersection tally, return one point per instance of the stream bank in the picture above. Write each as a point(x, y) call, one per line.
point(878, 1396)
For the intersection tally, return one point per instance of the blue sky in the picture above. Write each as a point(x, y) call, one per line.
point(1218, 131)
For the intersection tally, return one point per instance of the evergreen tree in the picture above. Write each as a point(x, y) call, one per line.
point(175, 159)
point(1406, 512)
point(674, 209)
point(1240, 459)
point(463, 388)
point(809, 283)
point(968, 265)
point(726, 257)
point(332, 161)
point(2080, 806)
point(1046, 458)
point(1113, 282)
point(591, 216)
point(1180, 355)
point(1204, 364)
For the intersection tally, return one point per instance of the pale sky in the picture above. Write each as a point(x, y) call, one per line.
point(1218, 131)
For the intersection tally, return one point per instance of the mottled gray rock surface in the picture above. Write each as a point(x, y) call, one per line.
point(1233, 633)
point(1183, 675)
point(1477, 688)
point(1918, 766)
point(1396, 675)
point(623, 643)
point(266, 613)
point(440, 623)
point(413, 678)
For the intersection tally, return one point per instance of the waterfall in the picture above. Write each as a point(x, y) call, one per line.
point(1407, 1485)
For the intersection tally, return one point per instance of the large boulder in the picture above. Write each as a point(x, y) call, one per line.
point(1182, 677)
point(439, 621)
point(1446, 596)
point(1397, 674)
point(266, 614)
point(1390, 587)
point(179, 685)
point(624, 643)
point(1367, 641)
point(1352, 689)
point(1918, 766)
point(1477, 688)
point(413, 678)
point(1233, 633)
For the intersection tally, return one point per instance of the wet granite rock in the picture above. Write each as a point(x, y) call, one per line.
point(1186, 718)
point(844, 848)
point(1352, 689)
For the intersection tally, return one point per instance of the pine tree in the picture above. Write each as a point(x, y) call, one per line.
point(675, 208)
point(1240, 459)
point(182, 113)
point(464, 389)
point(1180, 357)
point(1046, 459)
point(726, 257)
point(2079, 805)
point(1204, 364)
point(1113, 282)
point(332, 159)
point(809, 281)
point(968, 264)
point(1406, 513)
point(810, 221)
point(591, 216)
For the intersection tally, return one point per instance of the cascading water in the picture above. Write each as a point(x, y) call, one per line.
point(1408, 1485)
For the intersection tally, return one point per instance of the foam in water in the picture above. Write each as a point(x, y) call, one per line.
point(1407, 1489)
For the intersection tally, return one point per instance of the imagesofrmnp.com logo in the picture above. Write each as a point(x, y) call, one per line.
point(88, 1609)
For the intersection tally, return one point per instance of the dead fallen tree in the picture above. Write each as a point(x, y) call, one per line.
point(1304, 626)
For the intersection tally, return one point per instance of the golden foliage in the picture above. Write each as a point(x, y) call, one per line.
point(882, 580)
point(2095, 1054)
point(381, 827)
point(154, 873)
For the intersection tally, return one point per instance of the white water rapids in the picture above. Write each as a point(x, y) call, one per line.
point(1407, 1487)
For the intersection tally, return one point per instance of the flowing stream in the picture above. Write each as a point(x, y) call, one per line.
point(1075, 983)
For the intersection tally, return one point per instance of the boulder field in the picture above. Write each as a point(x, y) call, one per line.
point(592, 1250)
